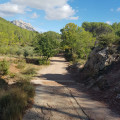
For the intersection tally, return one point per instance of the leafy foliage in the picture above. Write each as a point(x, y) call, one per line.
point(97, 28)
point(76, 42)
point(47, 44)
point(4, 67)
point(29, 71)
point(12, 36)
point(105, 34)
point(106, 39)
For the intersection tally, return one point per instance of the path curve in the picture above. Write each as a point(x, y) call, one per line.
point(58, 97)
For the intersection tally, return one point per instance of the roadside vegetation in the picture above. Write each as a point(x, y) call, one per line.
point(78, 42)
point(16, 91)
point(94, 53)
point(21, 53)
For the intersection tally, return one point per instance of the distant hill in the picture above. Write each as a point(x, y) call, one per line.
point(12, 35)
point(23, 25)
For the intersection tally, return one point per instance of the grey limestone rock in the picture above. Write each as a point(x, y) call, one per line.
point(23, 25)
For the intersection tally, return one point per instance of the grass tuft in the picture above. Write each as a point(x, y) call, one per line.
point(12, 104)
point(29, 71)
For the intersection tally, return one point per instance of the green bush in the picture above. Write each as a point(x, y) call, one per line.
point(15, 100)
point(12, 75)
point(21, 65)
point(44, 61)
point(26, 53)
point(27, 87)
point(19, 52)
point(21, 77)
point(106, 39)
point(29, 71)
point(12, 104)
point(68, 55)
point(4, 67)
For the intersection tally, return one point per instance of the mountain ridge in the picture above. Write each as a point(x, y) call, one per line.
point(23, 25)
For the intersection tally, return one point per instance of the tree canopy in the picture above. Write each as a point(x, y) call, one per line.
point(97, 28)
point(12, 36)
point(76, 41)
point(47, 44)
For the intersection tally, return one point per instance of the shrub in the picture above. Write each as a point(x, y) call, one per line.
point(106, 39)
point(12, 104)
point(27, 87)
point(19, 52)
point(44, 61)
point(12, 75)
point(26, 53)
point(68, 55)
point(29, 71)
point(21, 77)
point(21, 65)
point(4, 67)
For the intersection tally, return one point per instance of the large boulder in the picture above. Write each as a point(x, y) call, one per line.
point(98, 60)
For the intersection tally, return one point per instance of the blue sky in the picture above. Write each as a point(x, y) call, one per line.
point(52, 15)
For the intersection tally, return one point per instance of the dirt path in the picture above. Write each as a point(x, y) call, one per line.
point(58, 98)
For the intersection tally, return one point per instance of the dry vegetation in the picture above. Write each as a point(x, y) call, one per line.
point(16, 91)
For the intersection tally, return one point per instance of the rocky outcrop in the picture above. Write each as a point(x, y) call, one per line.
point(100, 58)
point(23, 25)
point(97, 63)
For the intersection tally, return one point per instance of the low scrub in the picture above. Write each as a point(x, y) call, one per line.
point(27, 87)
point(38, 61)
point(21, 77)
point(15, 100)
point(12, 104)
point(29, 71)
point(12, 75)
point(44, 61)
point(21, 65)
point(4, 67)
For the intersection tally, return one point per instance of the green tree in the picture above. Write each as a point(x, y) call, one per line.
point(97, 28)
point(76, 41)
point(106, 39)
point(47, 44)
point(11, 35)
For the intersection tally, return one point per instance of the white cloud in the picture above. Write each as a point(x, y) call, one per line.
point(8, 9)
point(64, 12)
point(41, 4)
point(34, 15)
point(54, 9)
point(118, 9)
point(108, 22)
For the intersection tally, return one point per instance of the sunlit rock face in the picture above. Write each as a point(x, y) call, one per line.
point(23, 25)
point(100, 58)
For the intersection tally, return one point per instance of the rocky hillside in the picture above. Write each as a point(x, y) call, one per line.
point(23, 25)
point(101, 75)
point(99, 62)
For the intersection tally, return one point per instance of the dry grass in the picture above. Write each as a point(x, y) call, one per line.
point(15, 98)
